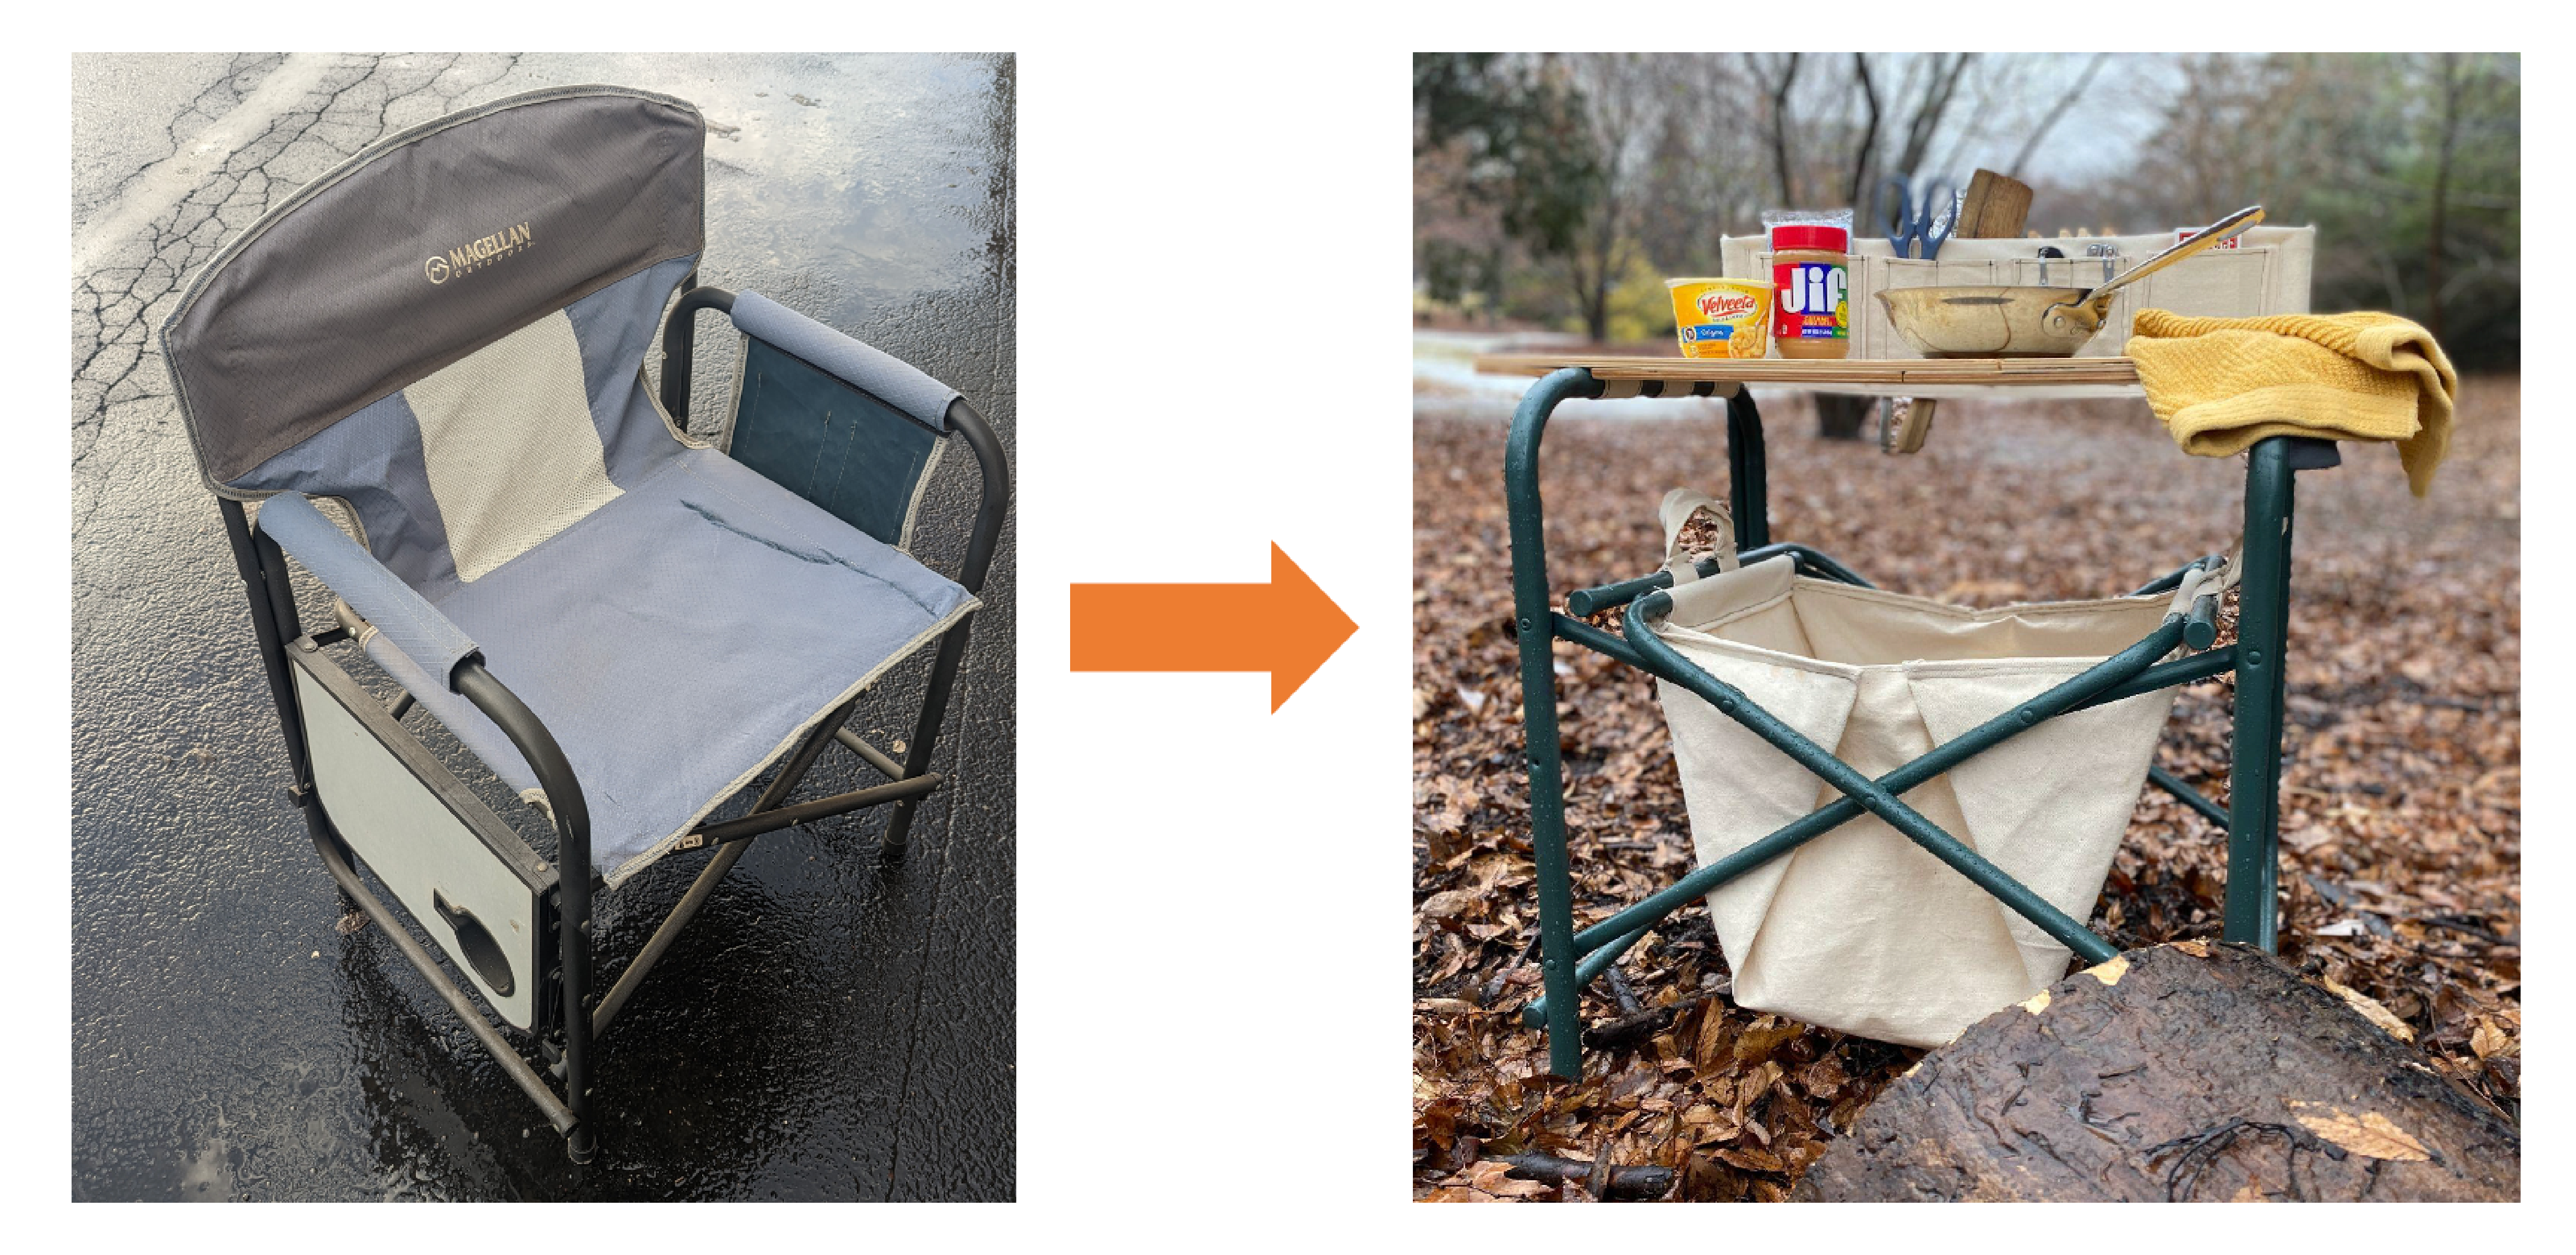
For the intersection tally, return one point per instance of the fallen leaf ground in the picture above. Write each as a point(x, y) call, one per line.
point(2401, 800)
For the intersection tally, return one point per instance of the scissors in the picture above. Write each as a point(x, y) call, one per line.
point(1911, 223)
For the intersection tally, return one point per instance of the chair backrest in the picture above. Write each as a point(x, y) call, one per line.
point(448, 330)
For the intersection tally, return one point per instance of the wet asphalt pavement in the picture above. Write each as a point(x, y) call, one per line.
point(829, 1027)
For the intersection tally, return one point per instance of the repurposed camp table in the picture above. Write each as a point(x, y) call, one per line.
point(1572, 959)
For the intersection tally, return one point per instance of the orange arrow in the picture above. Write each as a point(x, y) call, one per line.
point(1287, 627)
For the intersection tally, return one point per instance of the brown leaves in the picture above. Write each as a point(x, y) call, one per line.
point(1447, 905)
point(2401, 803)
point(1488, 1181)
point(2369, 1133)
point(2372, 1011)
point(1755, 1044)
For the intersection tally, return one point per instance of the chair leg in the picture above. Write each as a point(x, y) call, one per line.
point(1538, 714)
point(714, 872)
point(802, 760)
point(925, 733)
point(2262, 637)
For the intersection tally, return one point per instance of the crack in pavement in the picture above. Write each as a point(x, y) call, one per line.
point(243, 72)
point(277, 122)
point(154, 188)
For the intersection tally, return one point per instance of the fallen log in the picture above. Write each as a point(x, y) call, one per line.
point(2186, 1071)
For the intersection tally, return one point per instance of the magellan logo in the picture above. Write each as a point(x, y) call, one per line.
point(471, 257)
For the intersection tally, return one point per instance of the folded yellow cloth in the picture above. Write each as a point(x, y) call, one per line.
point(2220, 384)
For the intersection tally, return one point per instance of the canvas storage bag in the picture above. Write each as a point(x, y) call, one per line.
point(2263, 271)
point(1861, 929)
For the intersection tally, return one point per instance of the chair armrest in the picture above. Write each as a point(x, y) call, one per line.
point(404, 616)
point(995, 468)
point(881, 374)
point(904, 387)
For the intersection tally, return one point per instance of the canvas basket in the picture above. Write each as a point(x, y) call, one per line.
point(1862, 930)
point(2265, 270)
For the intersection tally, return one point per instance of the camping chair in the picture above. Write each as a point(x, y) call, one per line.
point(447, 333)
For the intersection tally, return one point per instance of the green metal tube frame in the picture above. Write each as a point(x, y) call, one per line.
point(1815, 562)
point(1569, 960)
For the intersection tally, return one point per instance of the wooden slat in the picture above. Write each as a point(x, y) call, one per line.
point(1996, 207)
point(1986, 372)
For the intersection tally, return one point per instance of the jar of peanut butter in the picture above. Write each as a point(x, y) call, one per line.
point(1810, 295)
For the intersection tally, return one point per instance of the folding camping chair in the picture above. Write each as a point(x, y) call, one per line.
point(628, 625)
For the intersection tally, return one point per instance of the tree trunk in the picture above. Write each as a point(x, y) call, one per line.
point(1937, 90)
point(1842, 417)
point(2188, 1071)
point(2441, 192)
point(1861, 157)
point(1780, 126)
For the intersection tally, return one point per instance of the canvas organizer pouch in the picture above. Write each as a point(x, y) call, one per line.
point(2265, 270)
point(1862, 930)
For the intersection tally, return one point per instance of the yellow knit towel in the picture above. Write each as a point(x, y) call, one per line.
point(2220, 384)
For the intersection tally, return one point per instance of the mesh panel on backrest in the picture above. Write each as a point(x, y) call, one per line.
point(508, 445)
point(487, 458)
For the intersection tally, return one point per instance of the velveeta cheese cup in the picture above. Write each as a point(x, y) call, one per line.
point(1721, 317)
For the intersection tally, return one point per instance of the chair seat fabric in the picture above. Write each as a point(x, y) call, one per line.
point(678, 639)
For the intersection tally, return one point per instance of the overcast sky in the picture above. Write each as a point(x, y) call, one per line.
point(2100, 133)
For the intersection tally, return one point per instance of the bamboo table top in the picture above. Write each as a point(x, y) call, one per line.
point(2033, 377)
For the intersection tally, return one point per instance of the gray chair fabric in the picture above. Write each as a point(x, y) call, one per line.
point(676, 620)
point(678, 640)
point(422, 249)
point(432, 643)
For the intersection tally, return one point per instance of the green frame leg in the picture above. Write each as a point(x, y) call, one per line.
point(2262, 643)
point(1530, 609)
point(1534, 620)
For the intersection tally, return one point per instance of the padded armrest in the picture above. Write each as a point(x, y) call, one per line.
point(404, 616)
point(890, 379)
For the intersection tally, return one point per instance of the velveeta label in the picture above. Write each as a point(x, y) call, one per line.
point(1720, 319)
point(1809, 301)
point(1721, 306)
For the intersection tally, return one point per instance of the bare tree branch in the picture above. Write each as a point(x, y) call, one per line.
point(1937, 91)
point(2030, 145)
point(1869, 130)
point(1779, 121)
